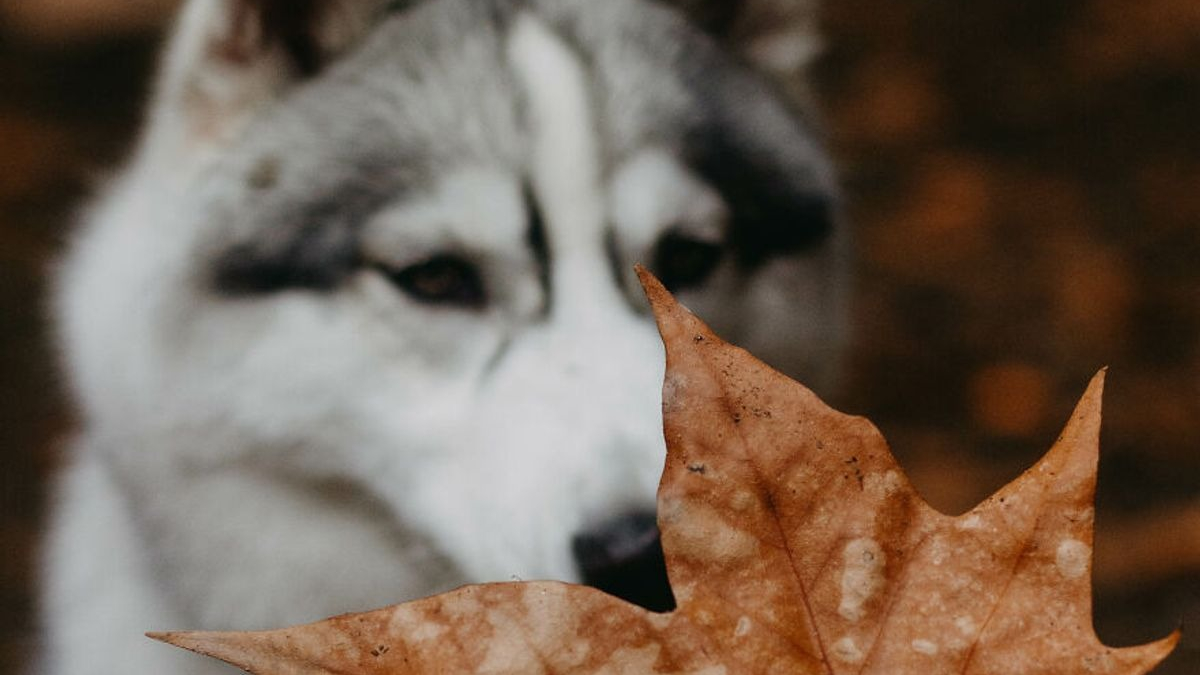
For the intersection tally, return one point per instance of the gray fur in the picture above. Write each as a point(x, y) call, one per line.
point(279, 426)
point(379, 127)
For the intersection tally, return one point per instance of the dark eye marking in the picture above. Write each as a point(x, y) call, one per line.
point(772, 215)
point(538, 243)
point(397, 6)
point(762, 158)
point(684, 262)
point(443, 279)
point(314, 258)
point(787, 224)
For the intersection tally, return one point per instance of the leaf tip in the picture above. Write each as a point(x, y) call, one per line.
point(1146, 658)
point(188, 640)
point(675, 322)
point(1082, 433)
point(1077, 451)
point(1095, 388)
point(173, 638)
point(1172, 641)
point(233, 648)
point(660, 298)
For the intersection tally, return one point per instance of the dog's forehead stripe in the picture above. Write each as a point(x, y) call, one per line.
point(565, 159)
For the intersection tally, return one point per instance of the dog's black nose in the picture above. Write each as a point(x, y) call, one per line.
point(624, 557)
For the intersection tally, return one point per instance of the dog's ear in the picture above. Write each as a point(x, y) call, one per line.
point(229, 58)
point(780, 36)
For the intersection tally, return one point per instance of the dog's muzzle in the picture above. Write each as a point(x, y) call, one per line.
point(624, 557)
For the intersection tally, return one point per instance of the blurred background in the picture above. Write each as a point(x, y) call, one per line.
point(1025, 179)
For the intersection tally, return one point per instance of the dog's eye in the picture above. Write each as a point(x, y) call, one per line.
point(683, 262)
point(441, 280)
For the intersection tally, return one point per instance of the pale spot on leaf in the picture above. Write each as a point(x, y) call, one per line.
point(925, 647)
point(862, 576)
point(847, 650)
point(966, 625)
point(970, 522)
point(1072, 558)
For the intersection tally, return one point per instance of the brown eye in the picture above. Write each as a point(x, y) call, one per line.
point(683, 262)
point(441, 280)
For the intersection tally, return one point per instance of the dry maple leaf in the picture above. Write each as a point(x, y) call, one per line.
point(794, 544)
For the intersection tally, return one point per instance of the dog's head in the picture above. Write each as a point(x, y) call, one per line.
point(391, 246)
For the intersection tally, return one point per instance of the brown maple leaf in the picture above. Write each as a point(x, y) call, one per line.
point(794, 544)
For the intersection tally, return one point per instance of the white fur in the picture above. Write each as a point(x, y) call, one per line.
point(248, 463)
point(653, 192)
point(566, 162)
point(143, 347)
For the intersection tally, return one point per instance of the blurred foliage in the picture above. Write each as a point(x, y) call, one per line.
point(1025, 177)
point(65, 119)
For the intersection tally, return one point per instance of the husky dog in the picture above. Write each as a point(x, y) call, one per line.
point(358, 321)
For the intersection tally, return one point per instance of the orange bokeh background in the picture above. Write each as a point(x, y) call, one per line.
point(1024, 177)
